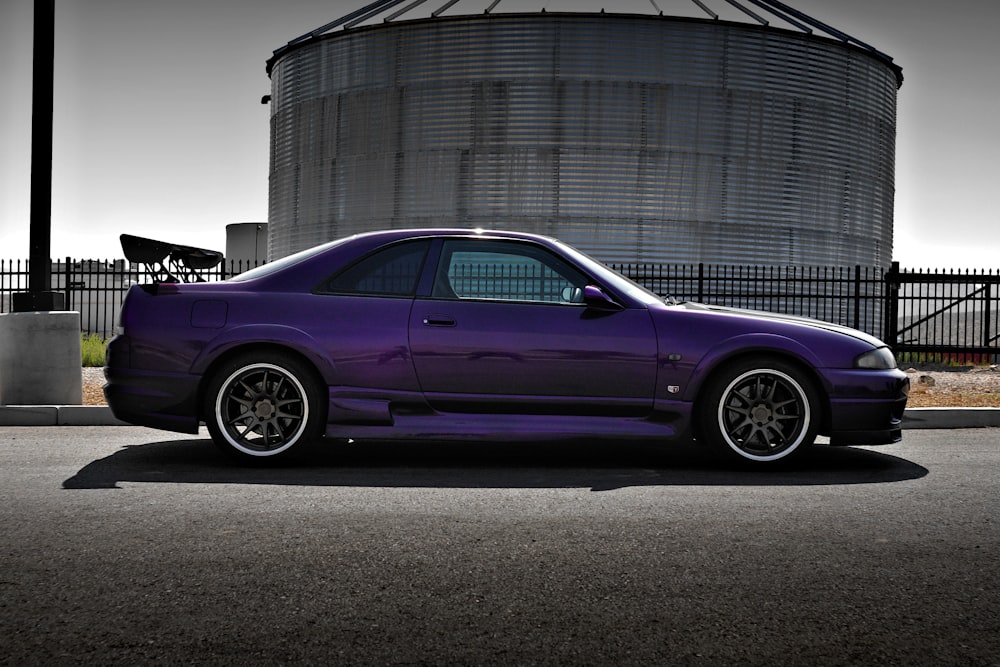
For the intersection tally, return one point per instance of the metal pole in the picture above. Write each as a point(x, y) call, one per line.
point(40, 296)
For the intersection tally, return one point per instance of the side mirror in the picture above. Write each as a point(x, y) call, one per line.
point(597, 299)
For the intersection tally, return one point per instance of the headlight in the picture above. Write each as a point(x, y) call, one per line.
point(879, 359)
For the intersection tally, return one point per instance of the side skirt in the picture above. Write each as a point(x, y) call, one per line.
point(508, 427)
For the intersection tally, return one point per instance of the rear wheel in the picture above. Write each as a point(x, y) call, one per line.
point(759, 410)
point(262, 406)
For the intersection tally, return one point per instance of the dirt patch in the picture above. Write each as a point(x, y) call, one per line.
point(978, 387)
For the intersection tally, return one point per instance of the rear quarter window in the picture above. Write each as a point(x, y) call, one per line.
point(391, 271)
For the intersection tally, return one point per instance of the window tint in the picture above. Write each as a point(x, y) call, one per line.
point(392, 271)
point(507, 271)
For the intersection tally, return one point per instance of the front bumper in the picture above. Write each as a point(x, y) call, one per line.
point(866, 407)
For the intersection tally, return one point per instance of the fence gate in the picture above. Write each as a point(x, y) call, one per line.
point(952, 316)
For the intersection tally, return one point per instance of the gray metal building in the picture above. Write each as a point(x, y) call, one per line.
point(635, 137)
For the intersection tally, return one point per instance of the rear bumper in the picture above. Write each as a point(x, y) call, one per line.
point(866, 407)
point(167, 401)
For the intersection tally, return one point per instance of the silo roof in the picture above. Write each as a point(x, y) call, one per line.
point(766, 13)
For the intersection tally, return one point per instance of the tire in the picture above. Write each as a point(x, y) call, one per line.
point(262, 406)
point(759, 410)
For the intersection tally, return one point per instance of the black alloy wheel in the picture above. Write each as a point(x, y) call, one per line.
point(760, 410)
point(264, 406)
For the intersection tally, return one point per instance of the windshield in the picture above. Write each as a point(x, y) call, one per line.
point(613, 279)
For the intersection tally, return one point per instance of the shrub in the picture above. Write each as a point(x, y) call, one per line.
point(92, 349)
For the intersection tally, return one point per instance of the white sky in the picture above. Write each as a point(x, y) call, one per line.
point(159, 130)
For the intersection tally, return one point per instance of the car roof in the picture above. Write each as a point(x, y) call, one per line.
point(393, 234)
point(290, 269)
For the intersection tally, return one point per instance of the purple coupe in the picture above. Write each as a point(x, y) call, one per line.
point(460, 334)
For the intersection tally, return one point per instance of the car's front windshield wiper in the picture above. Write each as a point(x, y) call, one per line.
point(671, 300)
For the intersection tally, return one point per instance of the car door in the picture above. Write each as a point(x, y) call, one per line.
point(504, 329)
point(362, 316)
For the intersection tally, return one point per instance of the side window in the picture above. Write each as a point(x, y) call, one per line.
point(392, 271)
point(505, 271)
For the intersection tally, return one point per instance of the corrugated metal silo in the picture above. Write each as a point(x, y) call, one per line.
point(635, 138)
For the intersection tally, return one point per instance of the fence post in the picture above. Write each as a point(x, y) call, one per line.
point(857, 296)
point(701, 281)
point(986, 312)
point(66, 284)
point(891, 324)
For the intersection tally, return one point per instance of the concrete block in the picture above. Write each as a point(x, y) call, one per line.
point(40, 358)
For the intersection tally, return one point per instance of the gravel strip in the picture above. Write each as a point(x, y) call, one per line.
point(93, 381)
point(978, 387)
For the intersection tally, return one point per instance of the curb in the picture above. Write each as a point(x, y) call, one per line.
point(100, 415)
point(918, 418)
point(58, 415)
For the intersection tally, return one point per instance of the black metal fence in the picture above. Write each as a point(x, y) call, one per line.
point(925, 316)
point(852, 296)
point(949, 316)
point(95, 288)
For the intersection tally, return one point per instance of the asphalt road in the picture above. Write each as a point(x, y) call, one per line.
point(124, 545)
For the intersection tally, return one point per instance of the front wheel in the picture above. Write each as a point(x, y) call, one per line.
point(261, 406)
point(759, 410)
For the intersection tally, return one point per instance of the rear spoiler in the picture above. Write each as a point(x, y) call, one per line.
point(169, 262)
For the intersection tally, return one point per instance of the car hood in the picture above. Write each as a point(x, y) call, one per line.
point(790, 319)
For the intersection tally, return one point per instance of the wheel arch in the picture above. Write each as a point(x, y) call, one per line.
point(706, 372)
point(264, 335)
point(228, 353)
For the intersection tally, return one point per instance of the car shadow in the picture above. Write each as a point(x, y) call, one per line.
point(599, 466)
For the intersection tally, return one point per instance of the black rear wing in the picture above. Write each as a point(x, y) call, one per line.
point(169, 262)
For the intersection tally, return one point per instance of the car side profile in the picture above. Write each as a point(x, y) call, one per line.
point(482, 335)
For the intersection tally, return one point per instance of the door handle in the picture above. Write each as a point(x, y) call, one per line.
point(439, 321)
